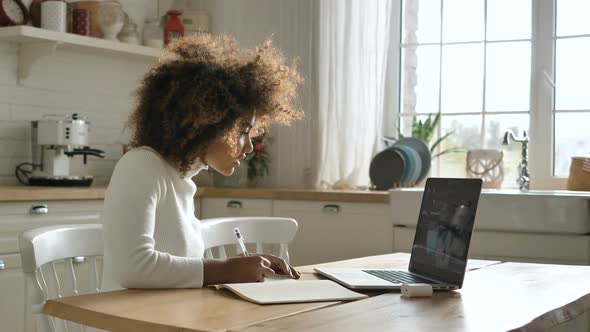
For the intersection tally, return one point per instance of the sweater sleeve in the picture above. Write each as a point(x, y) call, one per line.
point(129, 218)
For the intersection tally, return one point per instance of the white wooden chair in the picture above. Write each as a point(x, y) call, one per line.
point(218, 233)
point(41, 250)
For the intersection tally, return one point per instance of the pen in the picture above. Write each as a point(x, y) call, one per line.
point(241, 241)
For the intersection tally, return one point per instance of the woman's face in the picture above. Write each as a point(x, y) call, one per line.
point(222, 157)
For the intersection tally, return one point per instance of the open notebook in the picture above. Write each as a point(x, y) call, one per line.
point(291, 291)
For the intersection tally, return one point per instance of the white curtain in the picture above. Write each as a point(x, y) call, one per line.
point(353, 53)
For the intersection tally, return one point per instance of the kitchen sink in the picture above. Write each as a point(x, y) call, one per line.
point(542, 211)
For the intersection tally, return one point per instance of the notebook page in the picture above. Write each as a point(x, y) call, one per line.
point(292, 291)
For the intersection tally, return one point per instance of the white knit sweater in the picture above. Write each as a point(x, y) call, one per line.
point(152, 238)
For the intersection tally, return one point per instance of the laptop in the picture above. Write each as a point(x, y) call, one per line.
point(441, 243)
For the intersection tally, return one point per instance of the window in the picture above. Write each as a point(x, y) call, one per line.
point(572, 68)
point(488, 66)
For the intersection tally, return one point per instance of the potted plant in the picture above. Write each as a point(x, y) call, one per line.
point(424, 130)
point(259, 159)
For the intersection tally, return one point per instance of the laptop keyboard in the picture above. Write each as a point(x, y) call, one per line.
point(398, 277)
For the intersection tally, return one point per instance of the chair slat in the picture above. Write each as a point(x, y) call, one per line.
point(95, 283)
point(259, 249)
point(71, 275)
point(45, 290)
point(208, 253)
point(222, 253)
point(43, 285)
point(57, 284)
point(63, 325)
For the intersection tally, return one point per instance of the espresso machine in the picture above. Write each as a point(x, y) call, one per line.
point(54, 142)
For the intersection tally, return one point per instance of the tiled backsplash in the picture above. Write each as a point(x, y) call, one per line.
point(97, 87)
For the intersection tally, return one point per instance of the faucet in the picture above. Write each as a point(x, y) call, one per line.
point(523, 179)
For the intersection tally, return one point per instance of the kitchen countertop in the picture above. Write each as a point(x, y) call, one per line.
point(363, 196)
point(30, 193)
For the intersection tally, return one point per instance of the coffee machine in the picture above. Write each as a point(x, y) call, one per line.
point(54, 142)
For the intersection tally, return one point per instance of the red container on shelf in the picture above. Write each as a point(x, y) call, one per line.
point(81, 22)
point(173, 28)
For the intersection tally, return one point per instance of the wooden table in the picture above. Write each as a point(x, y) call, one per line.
point(495, 297)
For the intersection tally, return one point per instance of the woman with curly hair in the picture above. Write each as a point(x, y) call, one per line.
point(198, 107)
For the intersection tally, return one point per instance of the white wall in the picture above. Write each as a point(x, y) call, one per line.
point(101, 88)
point(97, 87)
point(291, 24)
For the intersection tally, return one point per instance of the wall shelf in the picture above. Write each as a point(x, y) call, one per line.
point(35, 43)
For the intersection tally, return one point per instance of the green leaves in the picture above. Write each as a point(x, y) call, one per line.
point(439, 140)
point(425, 131)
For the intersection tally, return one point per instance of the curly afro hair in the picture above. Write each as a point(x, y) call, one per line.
point(202, 87)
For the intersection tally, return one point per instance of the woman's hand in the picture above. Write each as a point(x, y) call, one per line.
point(245, 269)
point(280, 266)
point(236, 269)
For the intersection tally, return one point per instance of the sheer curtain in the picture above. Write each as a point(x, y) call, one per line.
point(354, 40)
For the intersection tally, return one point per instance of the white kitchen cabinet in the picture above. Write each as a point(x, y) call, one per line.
point(16, 217)
point(330, 231)
point(235, 207)
point(515, 247)
point(12, 290)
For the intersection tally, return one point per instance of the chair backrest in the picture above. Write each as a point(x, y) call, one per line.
point(49, 255)
point(218, 232)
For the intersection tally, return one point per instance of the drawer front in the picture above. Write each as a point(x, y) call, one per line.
point(235, 207)
point(16, 217)
point(332, 208)
point(9, 262)
point(25, 208)
point(12, 226)
point(12, 290)
point(331, 231)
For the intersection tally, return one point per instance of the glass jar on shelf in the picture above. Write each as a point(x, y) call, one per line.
point(110, 19)
point(129, 33)
point(153, 34)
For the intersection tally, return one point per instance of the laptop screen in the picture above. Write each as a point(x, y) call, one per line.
point(444, 229)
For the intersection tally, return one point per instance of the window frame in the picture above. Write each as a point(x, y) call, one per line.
point(543, 98)
point(542, 93)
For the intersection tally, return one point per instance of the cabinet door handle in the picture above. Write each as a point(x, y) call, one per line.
point(234, 204)
point(331, 208)
point(39, 209)
point(2, 265)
